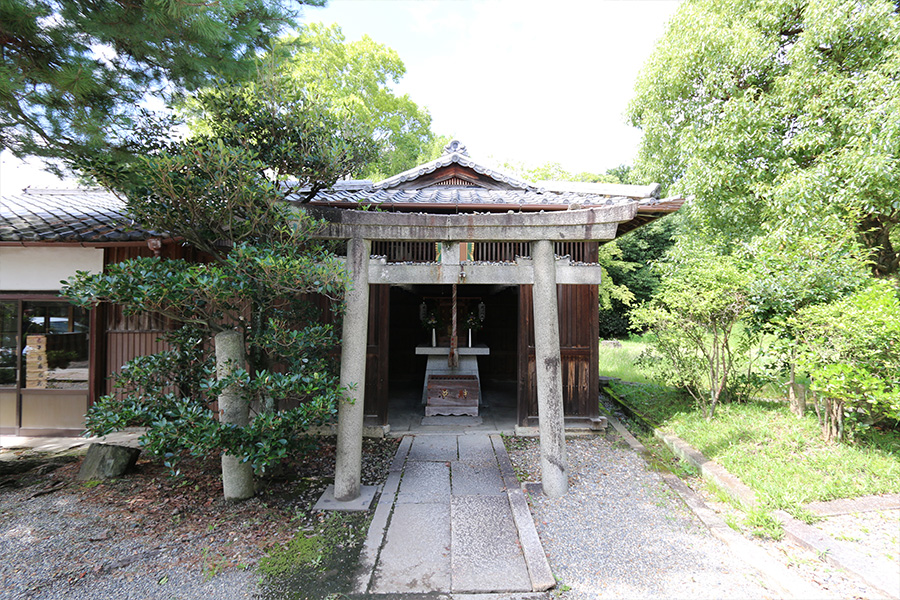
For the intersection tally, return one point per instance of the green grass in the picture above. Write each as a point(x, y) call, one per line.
point(619, 362)
point(783, 458)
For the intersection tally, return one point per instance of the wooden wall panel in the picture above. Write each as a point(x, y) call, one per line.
point(129, 336)
point(579, 352)
point(377, 351)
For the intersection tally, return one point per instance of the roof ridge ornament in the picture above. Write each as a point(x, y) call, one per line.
point(456, 147)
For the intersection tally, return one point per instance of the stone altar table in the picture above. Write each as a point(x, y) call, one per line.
point(452, 390)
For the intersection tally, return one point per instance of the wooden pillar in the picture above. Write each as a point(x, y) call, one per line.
point(450, 257)
point(351, 411)
point(551, 424)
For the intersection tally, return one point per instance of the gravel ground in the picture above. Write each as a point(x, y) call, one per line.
point(621, 532)
point(57, 546)
point(873, 534)
point(150, 536)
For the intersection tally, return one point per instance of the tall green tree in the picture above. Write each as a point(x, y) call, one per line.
point(640, 250)
point(769, 110)
point(222, 190)
point(73, 73)
point(359, 77)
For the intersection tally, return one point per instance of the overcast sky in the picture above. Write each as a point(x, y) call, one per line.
point(514, 80)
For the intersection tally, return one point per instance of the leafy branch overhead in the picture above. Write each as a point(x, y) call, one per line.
point(778, 112)
point(74, 74)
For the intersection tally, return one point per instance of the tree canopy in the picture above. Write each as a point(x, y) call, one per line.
point(777, 110)
point(73, 74)
point(221, 190)
point(358, 77)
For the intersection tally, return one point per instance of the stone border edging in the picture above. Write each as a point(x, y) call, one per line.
point(536, 563)
point(368, 556)
point(878, 573)
point(788, 585)
point(710, 470)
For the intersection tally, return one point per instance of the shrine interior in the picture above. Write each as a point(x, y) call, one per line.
point(492, 310)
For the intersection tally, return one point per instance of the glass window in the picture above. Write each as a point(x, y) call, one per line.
point(9, 336)
point(56, 351)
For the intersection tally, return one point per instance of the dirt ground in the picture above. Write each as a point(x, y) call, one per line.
point(60, 536)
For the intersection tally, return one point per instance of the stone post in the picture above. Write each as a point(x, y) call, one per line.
point(551, 425)
point(237, 476)
point(348, 466)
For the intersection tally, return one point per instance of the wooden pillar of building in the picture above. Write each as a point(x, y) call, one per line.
point(551, 424)
point(351, 411)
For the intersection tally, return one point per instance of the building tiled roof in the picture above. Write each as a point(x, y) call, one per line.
point(455, 155)
point(96, 216)
point(636, 192)
point(463, 198)
point(71, 215)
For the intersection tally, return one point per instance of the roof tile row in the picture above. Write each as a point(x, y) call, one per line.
point(67, 216)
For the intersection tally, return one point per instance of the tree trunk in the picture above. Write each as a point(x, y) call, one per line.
point(833, 424)
point(875, 231)
point(237, 475)
point(796, 391)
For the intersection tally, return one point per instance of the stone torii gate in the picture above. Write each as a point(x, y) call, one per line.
point(544, 271)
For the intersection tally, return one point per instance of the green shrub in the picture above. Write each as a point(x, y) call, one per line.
point(694, 316)
point(852, 352)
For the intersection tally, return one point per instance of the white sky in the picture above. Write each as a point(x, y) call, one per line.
point(514, 80)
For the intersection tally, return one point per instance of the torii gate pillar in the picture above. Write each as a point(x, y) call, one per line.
point(351, 414)
point(551, 424)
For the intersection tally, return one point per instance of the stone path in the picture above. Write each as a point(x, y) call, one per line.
point(452, 518)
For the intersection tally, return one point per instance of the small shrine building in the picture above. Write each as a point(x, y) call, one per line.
point(462, 274)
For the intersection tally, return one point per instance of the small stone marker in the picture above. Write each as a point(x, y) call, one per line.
point(107, 460)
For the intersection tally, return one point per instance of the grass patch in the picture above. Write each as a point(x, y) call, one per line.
point(316, 564)
point(653, 402)
point(763, 524)
point(618, 361)
point(785, 460)
point(782, 458)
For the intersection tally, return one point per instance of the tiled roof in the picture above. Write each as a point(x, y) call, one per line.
point(461, 158)
point(463, 198)
point(636, 192)
point(77, 215)
point(91, 215)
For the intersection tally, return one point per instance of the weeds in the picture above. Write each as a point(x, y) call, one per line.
point(763, 524)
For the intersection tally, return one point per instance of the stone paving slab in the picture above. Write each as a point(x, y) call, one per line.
point(400, 457)
point(425, 482)
point(469, 480)
point(434, 448)
point(442, 544)
point(476, 449)
point(368, 555)
point(486, 556)
point(416, 552)
point(879, 573)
